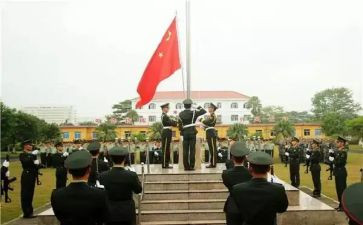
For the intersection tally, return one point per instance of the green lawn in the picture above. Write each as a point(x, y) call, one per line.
point(355, 148)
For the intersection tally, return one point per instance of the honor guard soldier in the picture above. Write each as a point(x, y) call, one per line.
point(258, 200)
point(340, 172)
point(352, 203)
point(98, 165)
point(77, 145)
point(187, 119)
point(166, 134)
point(30, 166)
point(211, 134)
point(79, 203)
point(315, 167)
point(237, 174)
point(58, 162)
point(120, 184)
point(293, 154)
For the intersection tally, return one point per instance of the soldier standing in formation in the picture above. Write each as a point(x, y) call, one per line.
point(79, 203)
point(293, 154)
point(166, 134)
point(233, 176)
point(98, 166)
point(188, 130)
point(120, 184)
point(30, 166)
point(340, 172)
point(258, 200)
point(211, 134)
point(58, 162)
point(315, 167)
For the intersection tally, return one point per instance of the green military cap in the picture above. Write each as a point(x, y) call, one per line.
point(164, 105)
point(213, 106)
point(239, 149)
point(295, 139)
point(316, 141)
point(340, 138)
point(58, 144)
point(118, 151)
point(352, 202)
point(27, 142)
point(78, 160)
point(187, 101)
point(260, 158)
point(94, 146)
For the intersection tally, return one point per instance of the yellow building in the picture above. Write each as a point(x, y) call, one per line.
point(302, 130)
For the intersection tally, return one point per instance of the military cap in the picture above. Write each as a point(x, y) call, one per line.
point(94, 146)
point(352, 202)
point(118, 151)
point(58, 144)
point(27, 142)
point(213, 106)
point(78, 160)
point(164, 105)
point(187, 101)
point(295, 139)
point(77, 141)
point(260, 158)
point(340, 138)
point(239, 149)
point(316, 141)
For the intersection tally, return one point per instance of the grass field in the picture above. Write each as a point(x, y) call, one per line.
point(42, 193)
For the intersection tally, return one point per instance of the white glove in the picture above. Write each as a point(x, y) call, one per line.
point(6, 163)
point(35, 152)
point(98, 185)
point(65, 154)
point(36, 162)
point(307, 156)
point(287, 154)
point(220, 155)
point(7, 174)
point(156, 154)
point(331, 159)
point(105, 160)
point(331, 151)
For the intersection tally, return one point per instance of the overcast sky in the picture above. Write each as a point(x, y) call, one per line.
point(91, 54)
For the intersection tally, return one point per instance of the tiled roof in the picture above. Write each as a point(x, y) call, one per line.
point(199, 95)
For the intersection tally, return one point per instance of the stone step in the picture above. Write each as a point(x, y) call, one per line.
point(183, 204)
point(186, 194)
point(183, 176)
point(182, 215)
point(192, 222)
point(184, 185)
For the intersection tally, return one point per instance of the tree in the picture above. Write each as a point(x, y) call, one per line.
point(237, 131)
point(139, 136)
point(333, 124)
point(299, 117)
point(355, 126)
point(284, 129)
point(121, 109)
point(335, 100)
point(132, 114)
point(106, 132)
point(155, 131)
point(51, 132)
point(88, 123)
point(255, 105)
point(270, 114)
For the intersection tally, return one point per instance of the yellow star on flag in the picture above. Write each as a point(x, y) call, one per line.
point(161, 54)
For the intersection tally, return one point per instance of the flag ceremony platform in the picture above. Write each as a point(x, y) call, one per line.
point(175, 196)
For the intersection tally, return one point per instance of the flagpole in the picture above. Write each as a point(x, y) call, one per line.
point(188, 46)
point(180, 55)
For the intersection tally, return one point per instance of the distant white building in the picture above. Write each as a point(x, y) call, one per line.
point(231, 105)
point(52, 114)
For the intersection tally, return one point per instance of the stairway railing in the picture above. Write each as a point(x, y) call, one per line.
point(141, 195)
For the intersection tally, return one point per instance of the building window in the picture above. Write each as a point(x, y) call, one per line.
point(178, 106)
point(94, 135)
point(273, 133)
point(234, 105)
point(259, 133)
point(245, 106)
point(206, 105)
point(317, 132)
point(77, 135)
point(219, 119)
point(152, 118)
point(306, 132)
point(219, 105)
point(127, 134)
point(152, 106)
point(65, 135)
point(234, 117)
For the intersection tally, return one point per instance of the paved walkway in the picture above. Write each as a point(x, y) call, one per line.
point(21, 221)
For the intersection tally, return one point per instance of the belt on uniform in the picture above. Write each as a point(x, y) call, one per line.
point(189, 125)
point(210, 128)
point(167, 128)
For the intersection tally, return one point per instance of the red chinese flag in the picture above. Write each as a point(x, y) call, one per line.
point(163, 63)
